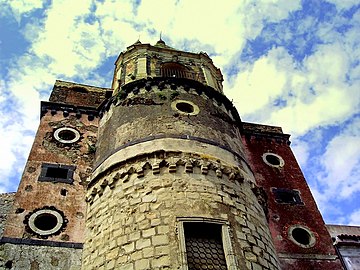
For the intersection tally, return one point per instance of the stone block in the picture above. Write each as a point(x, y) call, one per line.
point(134, 236)
point(250, 256)
point(142, 243)
point(256, 266)
point(161, 261)
point(159, 240)
point(135, 256)
point(148, 252)
point(129, 247)
point(162, 229)
point(142, 264)
point(148, 232)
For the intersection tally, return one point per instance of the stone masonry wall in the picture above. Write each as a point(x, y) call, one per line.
point(6, 202)
point(132, 216)
point(21, 257)
point(144, 114)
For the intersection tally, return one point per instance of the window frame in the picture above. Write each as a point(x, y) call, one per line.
point(230, 257)
point(278, 192)
point(69, 177)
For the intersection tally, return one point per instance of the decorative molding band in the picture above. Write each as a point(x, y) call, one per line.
point(170, 83)
point(278, 138)
point(67, 109)
point(33, 242)
point(161, 162)
point(168, 136)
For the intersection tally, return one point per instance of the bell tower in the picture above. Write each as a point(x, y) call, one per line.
point(160, 172)
point(171, 186)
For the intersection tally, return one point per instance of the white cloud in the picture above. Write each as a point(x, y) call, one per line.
point(337, 173)
point(355, 218)
point(317, 93)
point(301, 152)
point(14, 143)
point(342, 170)
point(21, 7)
point(344, 4)
point(258, 85)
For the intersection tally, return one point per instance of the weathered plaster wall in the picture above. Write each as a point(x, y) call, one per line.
point(34, 194)
point(282, 216)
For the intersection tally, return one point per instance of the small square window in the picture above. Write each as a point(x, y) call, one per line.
point(287, 196)
point(56, 173)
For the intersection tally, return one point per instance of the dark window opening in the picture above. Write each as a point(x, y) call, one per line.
point(79, 89)
point(204, 247)
point(288, 196)
point(8, 264)
point(176, 70)
point(185, 107)
point(273, 160)
point(57, 173)
point(45, 222)
point(67, 135)
point(19, 210)
point(301, 236)
point(63, 192)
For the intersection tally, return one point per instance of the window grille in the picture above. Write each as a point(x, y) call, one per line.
point(176, 70)
point(204, 248)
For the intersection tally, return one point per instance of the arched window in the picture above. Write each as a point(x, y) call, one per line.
point(176, 70)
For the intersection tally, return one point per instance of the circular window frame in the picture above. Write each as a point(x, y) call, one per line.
point(195, 111)
point(60, 221)
point(67, 129)
point(311, 235)
point(280, 159)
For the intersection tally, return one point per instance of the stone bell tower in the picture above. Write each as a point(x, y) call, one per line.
point(171, 186)
point(159, 172)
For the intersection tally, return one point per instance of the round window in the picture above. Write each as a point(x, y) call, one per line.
point(273, 160)
point(185, 107)
point(45, 222)
point(301, 236)
point(67, 135)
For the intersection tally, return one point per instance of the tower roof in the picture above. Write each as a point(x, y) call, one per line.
point(161, 44)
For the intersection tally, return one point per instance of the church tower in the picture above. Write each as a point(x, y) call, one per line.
point(171, 186)
point(159, 172)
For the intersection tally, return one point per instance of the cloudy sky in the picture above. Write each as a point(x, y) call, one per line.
point(294, 64)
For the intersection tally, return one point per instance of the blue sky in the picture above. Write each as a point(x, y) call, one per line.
point(294, 64)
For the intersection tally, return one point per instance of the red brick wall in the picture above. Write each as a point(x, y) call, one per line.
point(282, 216)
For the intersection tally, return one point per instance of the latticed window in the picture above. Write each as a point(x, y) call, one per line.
point(204, 247)
point(176, 70)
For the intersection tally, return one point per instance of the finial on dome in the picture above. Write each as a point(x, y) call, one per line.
point(138, 41)
point(160, 41)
